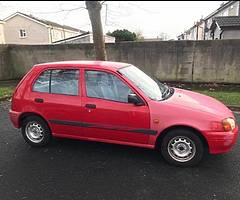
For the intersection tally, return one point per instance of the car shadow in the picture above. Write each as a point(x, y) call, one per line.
point(69, 149)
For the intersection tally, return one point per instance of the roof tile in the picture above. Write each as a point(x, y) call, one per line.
point(228, 21)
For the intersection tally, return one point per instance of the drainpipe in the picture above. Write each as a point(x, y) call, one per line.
point(238, 8)
point(51, 40)
point(221, 35)
point(197, 33)
point(64, 36)
point(204, 30)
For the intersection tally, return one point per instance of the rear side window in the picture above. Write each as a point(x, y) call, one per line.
point(58, 82)
point(64, 82)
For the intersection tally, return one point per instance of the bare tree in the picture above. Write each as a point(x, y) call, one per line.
point(94, 11)
point(139, 35)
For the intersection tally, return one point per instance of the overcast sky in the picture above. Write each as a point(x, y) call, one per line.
point(150, 17)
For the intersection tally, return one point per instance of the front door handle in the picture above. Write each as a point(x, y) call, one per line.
point(92, 106)
point(38, 100)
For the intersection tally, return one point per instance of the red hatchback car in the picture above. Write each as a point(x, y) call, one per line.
point(118, 103)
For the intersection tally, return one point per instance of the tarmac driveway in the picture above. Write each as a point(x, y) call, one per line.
point(69, 169)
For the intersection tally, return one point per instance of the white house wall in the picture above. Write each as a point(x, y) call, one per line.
point(36, 33)
point(217, 33)
point(70, 33)
point(231, 34)
point(59, 34)
point(109, 39)
point(2, 38)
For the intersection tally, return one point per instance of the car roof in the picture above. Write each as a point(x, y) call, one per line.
point(85, 63)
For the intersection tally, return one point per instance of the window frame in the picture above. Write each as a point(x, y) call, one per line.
point(117, 76)
point(50, 78)
point(21, 31)
point(36, 78)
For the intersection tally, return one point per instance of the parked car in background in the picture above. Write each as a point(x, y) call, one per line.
point(118, 103)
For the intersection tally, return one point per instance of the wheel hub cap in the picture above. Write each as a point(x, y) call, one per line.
point(34, 132)
point(181, 149)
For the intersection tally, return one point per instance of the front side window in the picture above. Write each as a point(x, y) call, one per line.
point(107, 86)
point(58, 82)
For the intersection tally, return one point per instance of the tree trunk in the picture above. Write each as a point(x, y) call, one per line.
point(94, 11)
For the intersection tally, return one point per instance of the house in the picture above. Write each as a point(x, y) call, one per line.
point(201, 30)
point(2, 39)
point(196, 32)
point(20, 28)
point(225, 27)
point(83, 38)
point(231, 8)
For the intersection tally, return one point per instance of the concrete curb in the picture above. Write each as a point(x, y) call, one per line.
point(234, 108)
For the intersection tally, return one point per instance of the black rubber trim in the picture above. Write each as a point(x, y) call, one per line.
point(103, 126)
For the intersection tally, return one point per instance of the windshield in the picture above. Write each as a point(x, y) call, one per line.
point(152, 88)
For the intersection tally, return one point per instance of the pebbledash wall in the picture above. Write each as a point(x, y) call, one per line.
point(186, 61)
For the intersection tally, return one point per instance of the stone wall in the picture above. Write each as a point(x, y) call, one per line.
point(186, 61)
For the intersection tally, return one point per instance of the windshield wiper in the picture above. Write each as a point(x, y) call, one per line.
point(160, 85)
point(167, 90)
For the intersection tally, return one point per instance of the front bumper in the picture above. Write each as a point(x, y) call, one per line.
point(14, 117)
point(221, 142)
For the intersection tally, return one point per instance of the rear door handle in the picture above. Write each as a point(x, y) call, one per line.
point(38, 100)
point(93, 106)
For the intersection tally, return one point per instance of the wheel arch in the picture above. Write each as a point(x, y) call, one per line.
point(194, 130)
point(28, 114)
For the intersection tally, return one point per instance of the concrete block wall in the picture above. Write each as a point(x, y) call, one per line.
point(185, 61)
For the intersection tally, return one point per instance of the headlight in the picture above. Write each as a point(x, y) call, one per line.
point(228, 124)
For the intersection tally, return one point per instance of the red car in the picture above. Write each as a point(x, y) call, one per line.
point(118, 103)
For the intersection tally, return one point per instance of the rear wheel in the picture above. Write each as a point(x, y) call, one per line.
point(35, 131)
point(182, 147)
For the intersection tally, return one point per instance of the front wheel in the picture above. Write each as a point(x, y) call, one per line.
point(182, 147)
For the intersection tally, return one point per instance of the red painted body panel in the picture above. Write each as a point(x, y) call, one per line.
point(115, 114)
point(221, 142)
point(116, 122)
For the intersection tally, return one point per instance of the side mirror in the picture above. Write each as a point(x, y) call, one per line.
point(133, 98)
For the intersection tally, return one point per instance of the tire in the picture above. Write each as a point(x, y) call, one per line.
point(182, 147)
point(35, 131)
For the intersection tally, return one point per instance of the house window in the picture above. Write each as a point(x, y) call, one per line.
point(22, 33)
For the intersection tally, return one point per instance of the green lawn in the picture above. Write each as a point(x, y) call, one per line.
point(6, 92)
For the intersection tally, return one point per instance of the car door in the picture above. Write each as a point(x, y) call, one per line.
point(57, 97)
point(106, 112)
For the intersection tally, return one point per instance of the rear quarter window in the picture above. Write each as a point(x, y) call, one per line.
point(42, 83)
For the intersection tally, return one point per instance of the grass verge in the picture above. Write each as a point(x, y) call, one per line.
point(228, 97)
point(5, 92)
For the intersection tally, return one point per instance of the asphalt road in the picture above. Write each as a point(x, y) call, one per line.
point(69, 169)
